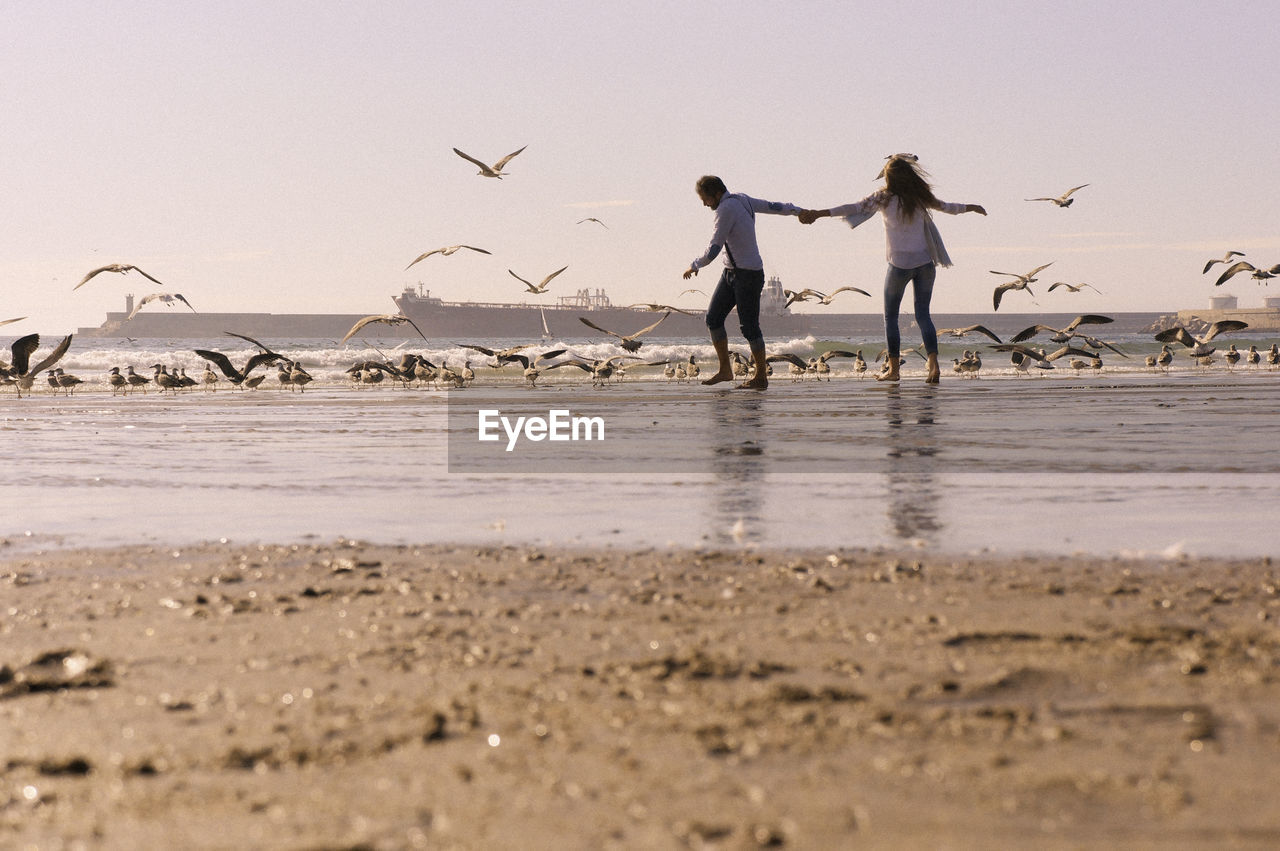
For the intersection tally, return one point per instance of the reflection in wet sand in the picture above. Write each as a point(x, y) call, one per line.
point(738, 464)
point(912, 455)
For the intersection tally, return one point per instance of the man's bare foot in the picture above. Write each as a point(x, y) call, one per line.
point(760, 383)
point(932, 377)
point(931, 369)
point(718, 377)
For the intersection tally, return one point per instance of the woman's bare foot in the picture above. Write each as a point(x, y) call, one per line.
point(888, 375)
point(757, 383)
point(718, 377)
point(931, 370)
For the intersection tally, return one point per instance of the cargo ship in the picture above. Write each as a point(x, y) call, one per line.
point(558, 318)
point(440, 319)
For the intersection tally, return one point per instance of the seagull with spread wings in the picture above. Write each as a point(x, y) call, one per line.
point(384, 318)
point(593, 219)
point(238, 376)
point(1246, 266)
point(1020, 282)
point(1073, 288)
point(446, 251)
point(494, 170)
point(629, 342)
point(119, 268)
point(21, 373)
point(653, 307)
point(541, 286)
point(968, 329)
point(1063, 200)
point(1199, 346)
point(822, 298)
point(1061, 335)
point(167, 298)
point(1226, 258)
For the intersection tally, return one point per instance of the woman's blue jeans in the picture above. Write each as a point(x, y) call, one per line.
point(895, 286)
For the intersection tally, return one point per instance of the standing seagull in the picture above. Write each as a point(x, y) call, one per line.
point(446, 251)
point(490, 171)
point(541, 286)
point(1063, 200)
point(1020, 282)
point(120, 268)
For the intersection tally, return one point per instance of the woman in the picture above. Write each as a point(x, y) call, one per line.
point(914, 249)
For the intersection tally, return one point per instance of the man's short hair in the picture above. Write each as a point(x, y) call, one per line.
point(709, 185)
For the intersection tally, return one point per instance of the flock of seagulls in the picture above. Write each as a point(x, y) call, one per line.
point(1082, 350)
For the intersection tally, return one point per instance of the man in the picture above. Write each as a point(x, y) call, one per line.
point(742, 280)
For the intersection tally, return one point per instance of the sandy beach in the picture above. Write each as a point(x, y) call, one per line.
point(349, 695)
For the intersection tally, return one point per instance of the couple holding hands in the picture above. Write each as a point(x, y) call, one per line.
point(915, 251)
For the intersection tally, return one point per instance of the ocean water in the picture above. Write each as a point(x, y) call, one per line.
point(1126, 461)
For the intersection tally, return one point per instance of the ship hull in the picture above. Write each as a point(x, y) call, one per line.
point(463, 322)
point(526, 321)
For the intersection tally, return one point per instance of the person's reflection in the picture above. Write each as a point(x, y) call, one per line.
point(737, 463)
point(911, 460)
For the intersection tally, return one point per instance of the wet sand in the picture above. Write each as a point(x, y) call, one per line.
point(348, 695)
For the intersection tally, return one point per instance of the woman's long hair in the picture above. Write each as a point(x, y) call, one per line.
point(905, 180)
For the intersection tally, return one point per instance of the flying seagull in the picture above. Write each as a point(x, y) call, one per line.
point(1063, 200)
point(503, 356)
point(1020, 282)
point(1200, 345)
point(594, 219)
point(541, 286)
point(806, 294)
point(1246, 266)
point(653, 307)
point(490, 171)
point(961, 332)
point(238, 376)
point(447, 251)
point(11, 321)
point(386, 319)
point(120, 268)
point(1073, 288)
point(630, 342)
point(167, 298)
point(1062, 335)
point(1226, 258)
point(22, 373)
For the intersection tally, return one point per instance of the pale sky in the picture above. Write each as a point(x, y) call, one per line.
point(297, 156)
